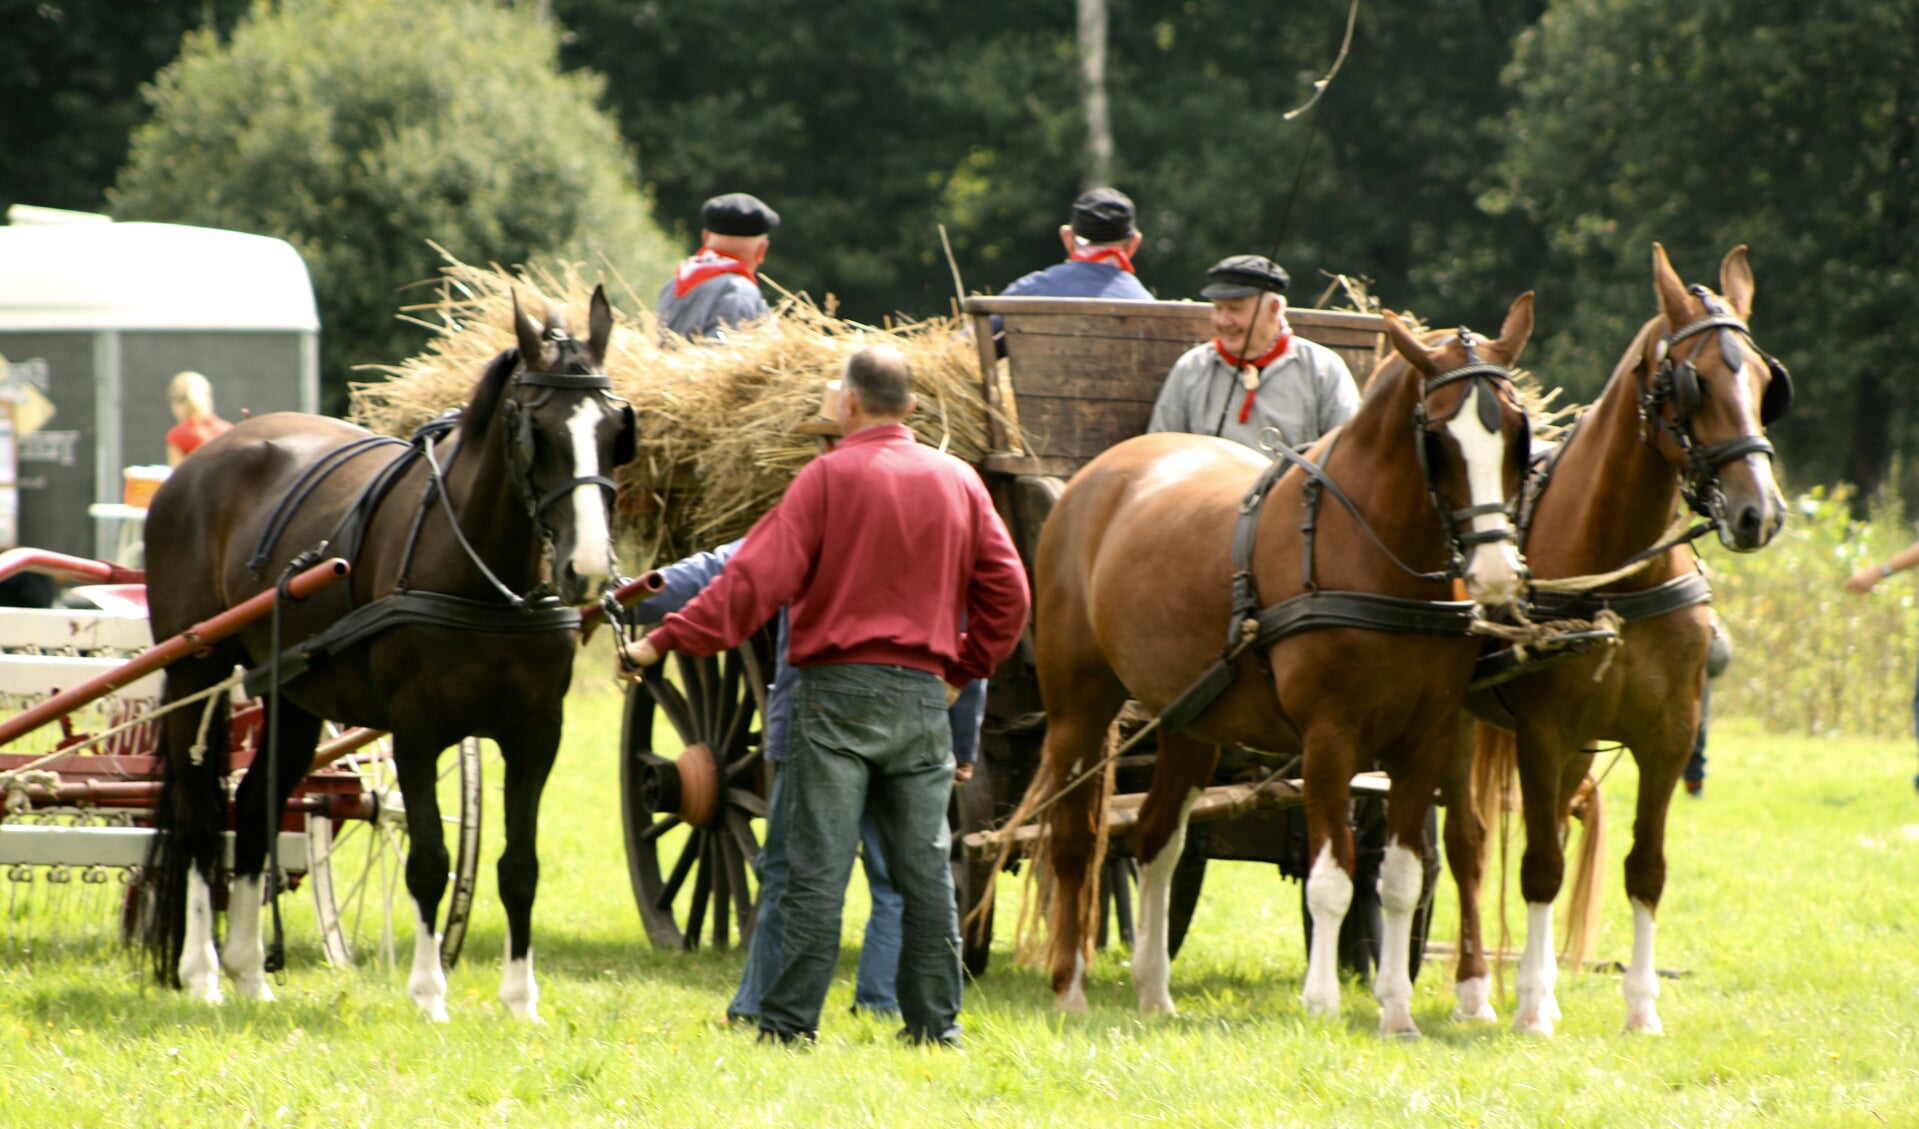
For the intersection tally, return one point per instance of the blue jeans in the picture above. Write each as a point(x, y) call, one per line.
point(867, 740)
point(879, 956)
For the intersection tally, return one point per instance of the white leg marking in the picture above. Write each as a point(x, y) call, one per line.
point(592, 550)
point(199, 963)
point(1329, 893)
point(1538, 970)
point(1400, 876)
point(1474, 999)
point(1073, 999)
point(426, 983)
point(1492, 569)
point(1152, 938)
point(517, 989)
point(1642, 978)
point(245, 955)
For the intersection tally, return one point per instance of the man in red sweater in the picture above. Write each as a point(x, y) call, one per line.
point(883, 548)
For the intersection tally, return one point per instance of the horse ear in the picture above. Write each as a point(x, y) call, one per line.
point(532, 353)
point(1735, 282)
point(599, 325)
point(1408, 346)
point(1669, 289)
point(1518, 327)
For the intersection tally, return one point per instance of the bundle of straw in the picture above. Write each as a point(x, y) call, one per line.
point(720, 423)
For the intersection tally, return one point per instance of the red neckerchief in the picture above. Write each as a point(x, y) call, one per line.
point(709, 263)
point(1249, 370)
point(1111, 255)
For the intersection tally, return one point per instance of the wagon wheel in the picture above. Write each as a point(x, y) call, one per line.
point(694, 813)
point(357, 870)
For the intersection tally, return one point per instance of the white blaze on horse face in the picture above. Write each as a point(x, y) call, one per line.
point(1492, 568)
point(1329, 893)
point(426, 983)
point(199, 964)
point(244, 957)
point(1642, 979)
point(517, 989)
point(1400, 877)
point(1152, 941)
point(592, 544)
point(1538, 970)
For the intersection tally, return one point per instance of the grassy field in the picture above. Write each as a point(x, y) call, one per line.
point(1792, 913)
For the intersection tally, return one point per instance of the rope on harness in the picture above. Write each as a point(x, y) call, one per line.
point(1674, 534)
point(1529, 638)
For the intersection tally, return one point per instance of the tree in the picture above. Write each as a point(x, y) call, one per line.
point(360, 129)
point(1720, 122)
point(70, 76)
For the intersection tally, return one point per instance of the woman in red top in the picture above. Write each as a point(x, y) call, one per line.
point(192, 400)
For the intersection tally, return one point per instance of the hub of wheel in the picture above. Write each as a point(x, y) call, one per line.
point(688, 787)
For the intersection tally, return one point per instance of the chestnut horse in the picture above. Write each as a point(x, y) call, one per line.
point(1683, 417)
point(1134, 580)
point(448, 631)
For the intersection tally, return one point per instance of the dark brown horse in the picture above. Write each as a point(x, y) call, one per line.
point(1682, 417)
point(1134, 587)
point(450, 538)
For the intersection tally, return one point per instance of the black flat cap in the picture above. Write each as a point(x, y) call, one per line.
point(1103, 215)
point(1238, 276)
point(737, 213)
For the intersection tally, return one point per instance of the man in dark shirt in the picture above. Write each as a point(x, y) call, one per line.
point(717, 289)
point(903, 586)
point(1100, 244)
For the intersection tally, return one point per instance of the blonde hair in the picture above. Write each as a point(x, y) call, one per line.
point(193, 390)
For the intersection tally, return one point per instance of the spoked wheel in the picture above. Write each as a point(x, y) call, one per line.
point(357, 867)
point(691, 816)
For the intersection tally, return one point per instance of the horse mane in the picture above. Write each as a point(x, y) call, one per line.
point(486, 396)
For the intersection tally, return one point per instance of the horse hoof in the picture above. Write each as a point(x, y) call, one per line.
point(1647, 1024)
point(1484, 1013)
point(253, 988)
point(528, 1010)
point(204, 990)
point(1073, 1003)
point(433, 1007)
point(1161, 1006)
point(1534, 1023)
point(1473, 1001)
point(1319, 1007)
point(1398, 1025)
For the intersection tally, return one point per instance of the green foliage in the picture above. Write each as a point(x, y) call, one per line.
point(1808, 657)
point(1705, 125)
point(70, 77)
point(968, 115)
point(359, 130)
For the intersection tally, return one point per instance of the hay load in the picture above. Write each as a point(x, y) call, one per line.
point(721, 424)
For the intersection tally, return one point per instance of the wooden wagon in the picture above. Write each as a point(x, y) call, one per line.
point(1078, 375)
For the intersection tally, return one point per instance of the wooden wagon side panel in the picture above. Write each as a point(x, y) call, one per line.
point(1084, 373)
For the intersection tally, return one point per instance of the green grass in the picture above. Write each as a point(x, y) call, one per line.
point(1790, 910)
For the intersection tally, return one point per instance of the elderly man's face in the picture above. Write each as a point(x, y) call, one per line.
point(1232, 317)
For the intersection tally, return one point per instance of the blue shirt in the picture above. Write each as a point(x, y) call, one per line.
point(1076, 279)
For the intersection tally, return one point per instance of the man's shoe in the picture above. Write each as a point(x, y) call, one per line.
point(1695, 788)
point(768, 1036)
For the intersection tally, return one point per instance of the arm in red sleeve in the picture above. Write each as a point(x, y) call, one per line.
point(765, 574)
point(997, 598)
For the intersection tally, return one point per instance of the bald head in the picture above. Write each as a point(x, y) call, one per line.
point(882, 380)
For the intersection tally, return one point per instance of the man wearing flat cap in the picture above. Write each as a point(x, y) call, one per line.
point(1100, 244)
point(717, 289)
point(1255, 373)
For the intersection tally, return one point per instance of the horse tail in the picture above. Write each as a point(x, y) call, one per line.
point(1031, 941)
point(1582, 906)
point(189, 817)
point(1495, 775)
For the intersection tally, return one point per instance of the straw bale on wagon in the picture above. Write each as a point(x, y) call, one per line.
point(721, 423)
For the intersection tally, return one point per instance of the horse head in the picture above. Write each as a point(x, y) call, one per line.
point(1706, 393)
point(564, 432)
point(1474, 439)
